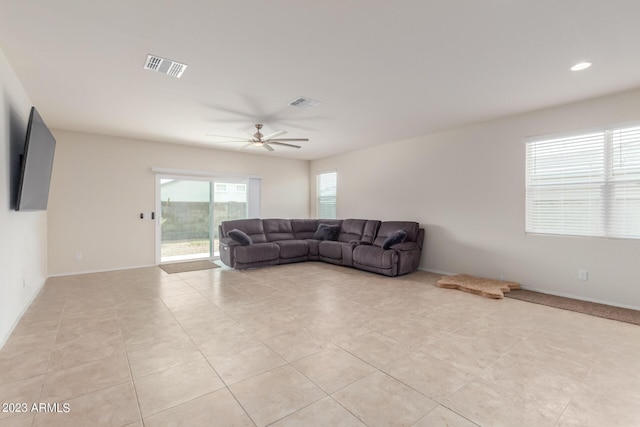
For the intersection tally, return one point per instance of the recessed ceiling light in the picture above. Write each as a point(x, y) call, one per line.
point(581, 66)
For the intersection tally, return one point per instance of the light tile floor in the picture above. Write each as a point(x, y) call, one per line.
point(310, 344)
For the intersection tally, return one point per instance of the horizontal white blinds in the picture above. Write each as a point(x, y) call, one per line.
point(623, 216)
point(586, 184)
point(327, 184)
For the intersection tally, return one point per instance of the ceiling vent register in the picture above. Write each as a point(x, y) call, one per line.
point(302, 102)
point(164, 66)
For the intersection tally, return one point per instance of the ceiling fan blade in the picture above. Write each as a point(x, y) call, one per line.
point(245, 146)
point(283, 144)
point(289, 139)
point(225, 142)
point(226, 136)
point(248, 133)
point(274, 134)
point(268, 147)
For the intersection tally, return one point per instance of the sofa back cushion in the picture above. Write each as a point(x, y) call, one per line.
point(252, 227)
point(370, 230)
point(356, 229)
point(388, 228)
point(304, 228)
point(352, 229)
point(277, 229)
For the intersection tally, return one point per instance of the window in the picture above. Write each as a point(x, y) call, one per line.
point(585, 185)
point(221, 188)
point(241, 188)
point(326, 184)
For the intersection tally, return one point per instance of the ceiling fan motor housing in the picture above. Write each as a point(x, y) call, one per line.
point(258, 135)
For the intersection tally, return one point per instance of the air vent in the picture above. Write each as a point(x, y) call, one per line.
point(164, 66)
point(303, 102)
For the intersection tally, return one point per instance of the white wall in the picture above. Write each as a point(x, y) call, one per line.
point(466, 187)
point(101, 184)
point(23, 235)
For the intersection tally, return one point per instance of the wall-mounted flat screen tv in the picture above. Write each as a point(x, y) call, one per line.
point(37, 165)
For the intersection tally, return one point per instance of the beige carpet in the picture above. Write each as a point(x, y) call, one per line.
point(594, 309)
point(487, 288)
point(183, 267)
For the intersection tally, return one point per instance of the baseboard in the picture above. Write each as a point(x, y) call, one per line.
point(444, 273)
point(597, 301)
point(24, 310)
point(76, 273)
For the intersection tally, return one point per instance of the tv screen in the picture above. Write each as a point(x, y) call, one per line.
point(37, 164)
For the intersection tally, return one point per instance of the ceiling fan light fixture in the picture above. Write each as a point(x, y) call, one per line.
point(581, 66)
point(258, 139)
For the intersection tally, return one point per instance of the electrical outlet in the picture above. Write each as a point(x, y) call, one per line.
point(583, 275)
point(78, 256)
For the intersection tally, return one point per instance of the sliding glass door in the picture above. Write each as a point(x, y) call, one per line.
point(230, 202)
point(185, 219)
point(190, 211)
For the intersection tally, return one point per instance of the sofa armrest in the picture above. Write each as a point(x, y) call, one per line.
point(406, 246)
point(420, 238)
point(228, 241)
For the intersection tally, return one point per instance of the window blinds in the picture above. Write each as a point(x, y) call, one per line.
point(623, 216)
point(326, 193)
point(586, 184)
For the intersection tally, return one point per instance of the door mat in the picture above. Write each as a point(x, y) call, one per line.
point(183, 267)
point(585, 307)
point(487, 288)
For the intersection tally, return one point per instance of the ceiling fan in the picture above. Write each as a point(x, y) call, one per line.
point(257, 139)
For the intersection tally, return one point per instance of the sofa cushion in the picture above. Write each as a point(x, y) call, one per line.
point(240, 237)
point(304, 228)
point(327, 232)
point(277, 229)
point(330, 249)
point(397, 237)
point(314, 247)
point(387, 228)
point(257, 252)
point(370, 230)
point(293, 248)
point(352, 229)
point(252, 227)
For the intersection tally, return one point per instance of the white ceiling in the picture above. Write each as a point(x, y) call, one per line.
point(384, 70)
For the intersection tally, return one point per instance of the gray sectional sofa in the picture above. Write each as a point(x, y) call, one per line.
point(360, 243)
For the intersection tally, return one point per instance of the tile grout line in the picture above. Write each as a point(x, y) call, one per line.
point(126, 354)
point(226, 386)
point(288, 363)
point(46, 372)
